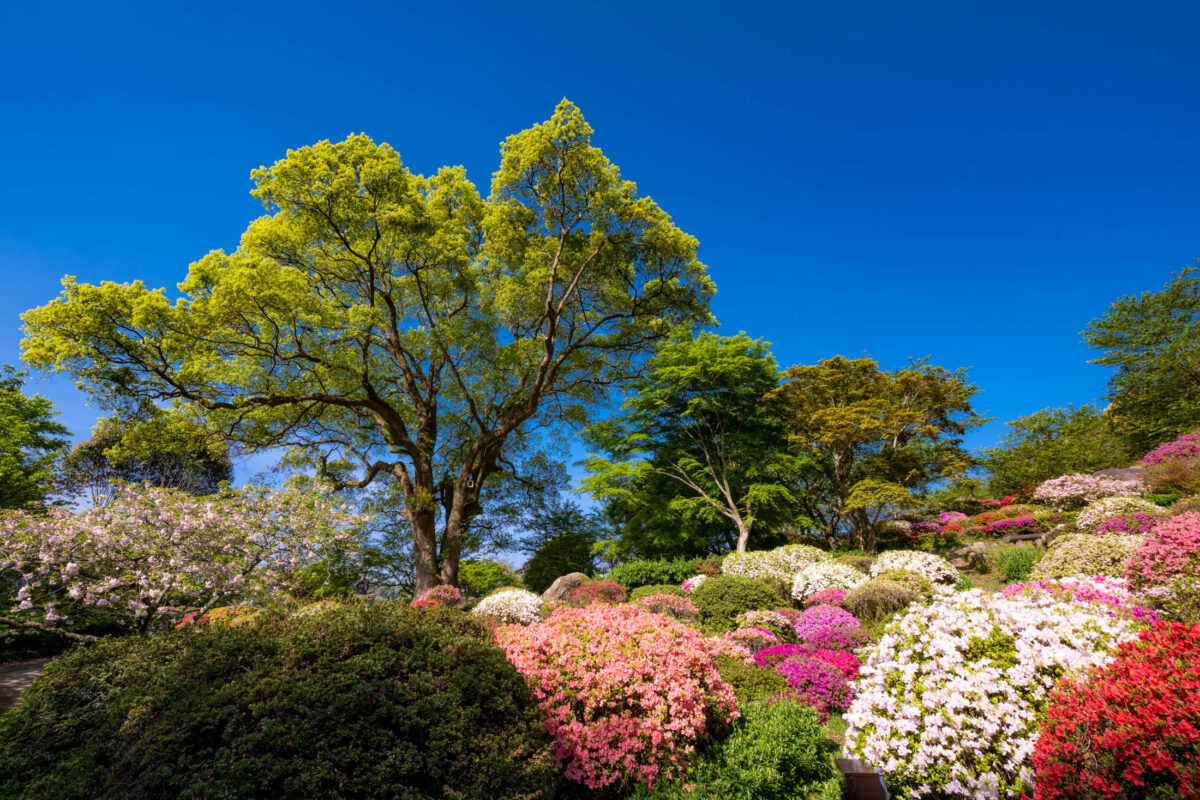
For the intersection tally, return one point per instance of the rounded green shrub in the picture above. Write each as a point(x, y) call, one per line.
point(860, 563)
point(1085, 554)
point(877, 600)
point(656, 588)
point(657, 572)
point(916, 583)
point(777, 752)
point(349, 702)
point(722, 597)
point(750, 682)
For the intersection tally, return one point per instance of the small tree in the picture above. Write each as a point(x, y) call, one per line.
point(31, 442)
point(877, 437)
point(560, 537)
point(151, 554)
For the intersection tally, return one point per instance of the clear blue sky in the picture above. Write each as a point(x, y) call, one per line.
point(969, 181)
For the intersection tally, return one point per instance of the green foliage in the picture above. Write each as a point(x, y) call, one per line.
point(1152, 342)
point(750, 683)
point(695, 442)
point(916, 583)
point(479, 578)
point(877, 600)
point(349, 702)
point(1166, 500)
point(1049, 443)
point(401, 327)
point(649, 572)
point(30, 442)
point(1015, 564)
point(561, 536)
point(877, 438)
point(722, 597)
point(777, 752)
point(657, 588)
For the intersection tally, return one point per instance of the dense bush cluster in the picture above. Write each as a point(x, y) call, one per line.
point(646, 573)
point(722, 598)
point(1085, 554)
point(929, 566)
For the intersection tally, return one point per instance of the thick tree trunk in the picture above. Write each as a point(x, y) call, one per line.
point(424, 527)
point(743, 534)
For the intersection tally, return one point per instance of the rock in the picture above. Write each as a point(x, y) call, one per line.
point(1125, 474)
point(564, 586)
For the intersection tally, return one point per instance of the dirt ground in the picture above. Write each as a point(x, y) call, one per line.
point(15, 678)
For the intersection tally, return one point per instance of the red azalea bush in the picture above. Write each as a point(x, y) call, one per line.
point(1168, 552)
point(846, 662)
point(1132, 730)
point(627, 695)
point(607, 592)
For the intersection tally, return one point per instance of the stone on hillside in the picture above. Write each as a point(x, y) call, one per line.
point(1125, 474)
point(564, 586)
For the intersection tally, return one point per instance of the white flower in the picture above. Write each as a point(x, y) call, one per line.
point(825, 575)
point(510, 605)
point(927, 565)
point(781, 564)
point(1090, 518)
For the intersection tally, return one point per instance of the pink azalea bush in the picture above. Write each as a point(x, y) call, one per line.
point(753, 639)
point(1183, 448)
point(948, 517)
point(1095, 589)
point(1171, 551)
point(828, 628)
point(445, 595)
point(847, 663)
point(1136, 524)
point(1076, 491)
point(627, 695)
point(817, 683)
point(670, 605)
point(826, 597)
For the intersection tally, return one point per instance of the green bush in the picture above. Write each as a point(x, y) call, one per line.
point(482, 577)
point(1086, 554)
point(915, 582)
point(1166, 500)
point(750, 683)
point(1015, 564)
point(348, 702)
point(860, 563)
point(646, 573)
point(722, 597)
point(657, 588)
point(877, 600)
point(777, 752)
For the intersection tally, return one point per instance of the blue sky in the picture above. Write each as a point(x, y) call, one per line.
point(969, 181)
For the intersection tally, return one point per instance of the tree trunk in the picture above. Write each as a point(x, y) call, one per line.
point(743, 534)
point(424, 528)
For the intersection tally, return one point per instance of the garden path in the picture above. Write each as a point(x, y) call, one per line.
point(15, 678)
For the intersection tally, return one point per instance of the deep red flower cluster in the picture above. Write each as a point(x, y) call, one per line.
point(1131, 729)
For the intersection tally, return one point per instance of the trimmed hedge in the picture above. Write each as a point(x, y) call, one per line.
point(877, 600)
point(722, 597)
point(656, 588)
point(349, 702)
point(646, 573)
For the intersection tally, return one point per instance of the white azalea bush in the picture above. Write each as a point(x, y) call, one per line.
point(933, 568)
point(512, 605)
point(781, 564)
point(825, 575)
point(1085, 554)
point(949, 702)
point(1090, 518)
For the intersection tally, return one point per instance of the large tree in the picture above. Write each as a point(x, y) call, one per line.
point(1049, 443)
point(878, 438)
point(31, 442)
point(1152, 342)
point(696, 425)
point(401, 321)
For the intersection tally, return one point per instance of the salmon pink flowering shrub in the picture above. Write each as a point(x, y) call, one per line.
point(949, 701)
point(753, 639)
point(1169, 552)
point(607, 592)
point(1130, 729)
point(826, 597)
point(1136, 524)
point(1091, 517)
point(1183, 448)
point(1097, 589)
point(627, 695)
point(444, 595)
point(933, 568)
point(1076, 491)
point(825, 575)
point(510, 605)
point(669, 605)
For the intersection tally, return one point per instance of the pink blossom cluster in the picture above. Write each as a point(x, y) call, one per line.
point(444, 594)
point(753, 639)
point(1185, 447)
point(691, 583)
point(1096, 589)
point(826, 597)
point(627, 695)
point(150, 554)
point(1167, 553)
point(828, 628)
point(674, 606)
point(847, 663)
point(1076, 491)
point(947, 517)
point(1137, 524)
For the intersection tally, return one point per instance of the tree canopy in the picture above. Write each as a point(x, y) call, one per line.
point(560, 540)
point(1152, 342)
point(695, 440)
point(876, 438)
point(400, 322)
point(31, 442)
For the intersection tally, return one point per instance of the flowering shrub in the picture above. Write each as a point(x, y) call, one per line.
point(847, 663)
point(825, 575)
point(445, 595)
point(779, 564)
point(828, 628)
point(1137, 524)
point(1084, 554)
point(679, 608)
point(607, 592)
point(879, 598)
point(1131, 729)
point(627, 695)
point(1091, 517)
point(952, 528)
point(924, 528)
point(1169, 552)
point(768, 657)
point(753, 639)
point(510, 605)
point(919, 585)
point(947, 517)
point(690, 584)
point(156, 554)
point(949, 699)
point(1076, 491)
point(773, 621)
point(816, 683)
point(222, 615)
point(826, 597)
point(1185, 447)
point(1025, 523)
point(1097, 589)
point(721, 648)
point(933, 568)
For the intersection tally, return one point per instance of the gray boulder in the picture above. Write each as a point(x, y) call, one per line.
point(564, 586)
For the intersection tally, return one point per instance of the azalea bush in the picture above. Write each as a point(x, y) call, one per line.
point(780, 564)
point(669, 605)
point(826, 597)
point(152, 555)
point(827, 628)
point(691, 583)
point(1098, 512)
point(825, 575)
point(773, 621)
point(929, 566)
point(878, 599)
point(1130, 729)
point(1025, 523)
point(443, 595)
point(753, 639)
point(607, 592)
point(948, 701)
point(722, 597)
point(815, 682)
point(626, 695)
point(1076, 491)
point(1169, 552)
point(1095, 589)
point(1136, 524)
point(1085, 554)
point(1185, 447)
point(513, 606)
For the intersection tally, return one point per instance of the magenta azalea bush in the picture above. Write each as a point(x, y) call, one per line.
point(947, 517)
point(1169, 552)
point(847, 663)
point(1185, 447)
point(1136, 524)
point(627, 695)
point(817, 683)
point(828, 628)
point(1094, 589)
